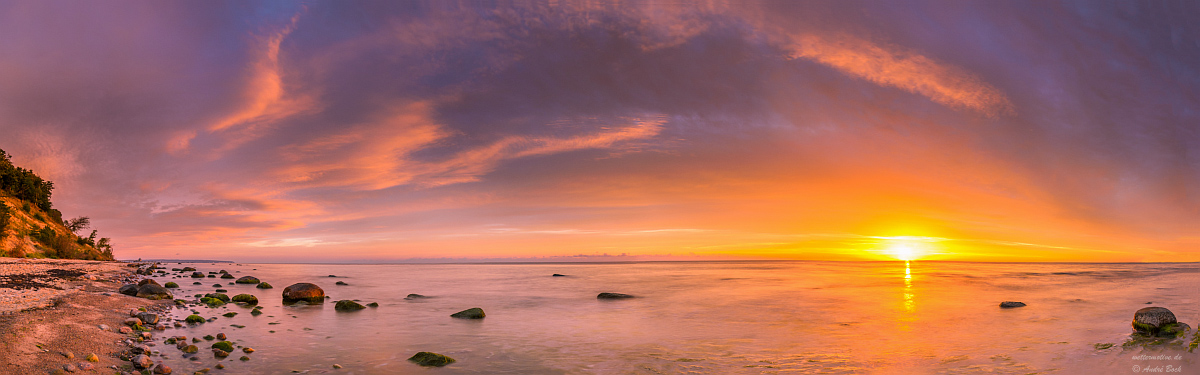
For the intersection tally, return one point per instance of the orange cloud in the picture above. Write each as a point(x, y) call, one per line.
point(904, 69)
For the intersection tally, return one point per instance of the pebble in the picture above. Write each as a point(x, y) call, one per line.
point(142, 361)
point(125, 330)
point(92, 358)
point(84, 366)
point(69, 367)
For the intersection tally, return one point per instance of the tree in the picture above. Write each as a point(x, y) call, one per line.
point(77, 224)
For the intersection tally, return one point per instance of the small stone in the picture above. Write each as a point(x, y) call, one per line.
point(221, 336)
point(341, 283)
point(471, 313)
point(191, 349)
point(69, 355)
point(431, 359)
point(162, 369)
point(220, 366)
point(220, 353)
point(142, 361)
point(69, 367)
point(244, 358)
point(84, 366)
point(348, 305)
point(558, 275)
point(223, 345)
point(373, 304)
point(1011, 304)
point(414, 296)
point(133, 321)
point(337, 365)
point(607, 295)
point(93, 358)
point(125, 330)
point(104, 327)
point(247, 350)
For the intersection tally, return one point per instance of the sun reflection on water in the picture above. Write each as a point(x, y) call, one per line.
point(909, 304)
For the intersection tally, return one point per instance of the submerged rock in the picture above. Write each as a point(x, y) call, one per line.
point(194, 319)
point(348, 305)
point(1150, 321)
point(415, 296)
point(307, 292)
point(154, 292)
point(558, 275)
point(607, 295)
point(431, 359)
point(226, 276)
point(373, 304)
point(1011, 304)
point(223, 345)
point(197, 275)
point(248, 299)
point(171, 285)
point(128, 289)
point(471, 313)
point(264, 286)
point(247, 280)
point(221, 296)
point(185, 269)
point(341, 283)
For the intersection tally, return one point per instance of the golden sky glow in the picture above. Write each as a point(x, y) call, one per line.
point(337, 131)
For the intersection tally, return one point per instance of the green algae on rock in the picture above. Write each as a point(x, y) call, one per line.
point(248, 299)
point(431, 359)
point(471, 313)
point(348, 305)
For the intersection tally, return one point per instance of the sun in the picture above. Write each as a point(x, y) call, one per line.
point(906, 248)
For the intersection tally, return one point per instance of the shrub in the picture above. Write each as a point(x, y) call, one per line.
point(4, 215)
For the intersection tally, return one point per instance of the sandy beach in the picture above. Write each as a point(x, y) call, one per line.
point(55, 313)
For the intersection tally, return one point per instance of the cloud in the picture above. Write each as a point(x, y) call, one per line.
point(904, 69)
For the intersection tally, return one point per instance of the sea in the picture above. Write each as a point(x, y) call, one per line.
point(727, 317)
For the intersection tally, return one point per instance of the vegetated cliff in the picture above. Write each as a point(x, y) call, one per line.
point(31, 227)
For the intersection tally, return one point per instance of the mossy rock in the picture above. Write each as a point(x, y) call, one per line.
point(194, 319)
point(227, 276)
point(223, 345)
point(186, 269)
point(306, 292)
point(212, 302)
point(191, 349)
point(197, 275)
point(171, 284)
point(248, 299)
point(264, 286)
point(244, 358)
point(471, 313)
point(348, 305)
point(247, 280)
point(229, 314)
point(341, 283)
point(221, 296)
point(431, 359)
point(256, 312)
point(154, 292)
point(373, 304)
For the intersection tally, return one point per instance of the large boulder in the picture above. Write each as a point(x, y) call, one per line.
point(154, 291)
point(147, 281)
point(198, 275)
point(221, 296)
point(1151, 321)
point(226, 276)
point(247, 280)
point(128, 289)
point(306, 292)
point(348, 305)
point(471, 313)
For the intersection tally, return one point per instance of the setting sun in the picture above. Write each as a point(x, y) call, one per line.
point(907, 248)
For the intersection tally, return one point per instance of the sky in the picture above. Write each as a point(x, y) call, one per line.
point(326, 131)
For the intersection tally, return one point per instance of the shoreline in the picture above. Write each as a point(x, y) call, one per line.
point(55, 313)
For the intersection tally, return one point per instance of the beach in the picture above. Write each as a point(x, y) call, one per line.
point(52, 311)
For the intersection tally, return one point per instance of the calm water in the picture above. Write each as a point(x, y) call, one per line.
point(701, 318)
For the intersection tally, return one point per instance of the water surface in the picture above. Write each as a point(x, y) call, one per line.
point(768, 317)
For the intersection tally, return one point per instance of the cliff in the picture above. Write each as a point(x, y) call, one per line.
point(31, 228)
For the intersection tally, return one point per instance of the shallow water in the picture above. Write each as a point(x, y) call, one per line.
point(768, 317)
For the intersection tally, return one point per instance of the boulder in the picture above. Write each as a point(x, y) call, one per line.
point(341, 283)
point(128, 289)
point(414, 296)
point(162, 369)
point(148, 318)
point(1150, 321)
point(607, 295)
point(185, 269)
point(154, 292)
point(220, 353)
point(221, 296)
point(431, 359)
point(373, 304)
point(1011, 304)
point(471, 313)
point(171, 284)
point(264, 286)
point(348, 305)
point(246, 298)
point(307, 292)
point(247, 280)
point(194, 319)
point(198, 275)
point(226, 276)
point(147, 281)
